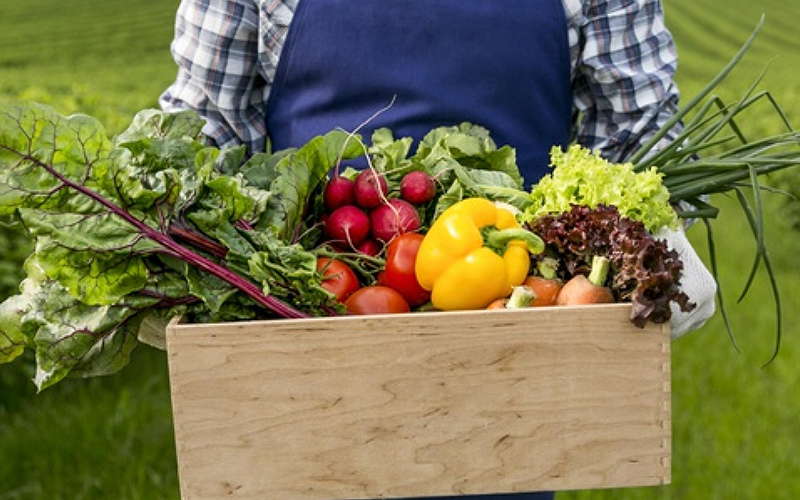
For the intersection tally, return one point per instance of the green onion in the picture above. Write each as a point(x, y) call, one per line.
point(711, 154)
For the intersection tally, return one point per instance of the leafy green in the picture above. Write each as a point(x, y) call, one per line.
point(581, 177)
point(464, 160)
point(291, 180)
point(154, 223)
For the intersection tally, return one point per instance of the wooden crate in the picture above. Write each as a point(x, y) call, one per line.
point(420, 404)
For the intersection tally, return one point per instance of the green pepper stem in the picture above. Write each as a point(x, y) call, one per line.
point(499, 238)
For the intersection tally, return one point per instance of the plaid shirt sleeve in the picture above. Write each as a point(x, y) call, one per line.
point(217, 47)
point(624, 61)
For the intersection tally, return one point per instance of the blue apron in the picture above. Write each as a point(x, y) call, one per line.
point(501, 64)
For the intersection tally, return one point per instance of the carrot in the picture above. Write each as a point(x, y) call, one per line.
point(580, 290)
point(545, 290)
point(497, 304)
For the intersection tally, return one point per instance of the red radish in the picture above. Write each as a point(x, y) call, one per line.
point(580, 290)
point(347, 224)
point(417, 187)
point(370, 189)
point(395, 217)
point(369, 247)
point(338, 192)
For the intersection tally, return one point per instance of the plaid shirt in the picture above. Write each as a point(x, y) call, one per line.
point(623, 62)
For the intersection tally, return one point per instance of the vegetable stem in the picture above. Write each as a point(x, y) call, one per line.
point(501, 237)
point(520, 297)
point(599, 273)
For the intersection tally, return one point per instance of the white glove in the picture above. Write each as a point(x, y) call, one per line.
point(696, 282)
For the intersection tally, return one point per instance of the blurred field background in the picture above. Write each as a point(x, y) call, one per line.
point(735, 424)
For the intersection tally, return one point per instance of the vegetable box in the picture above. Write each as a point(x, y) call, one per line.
point(420, 404)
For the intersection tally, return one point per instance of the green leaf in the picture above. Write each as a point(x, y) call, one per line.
point(471, 146)
point(153, 123)
point(94, 276)
point(582, 177)
point(296, 175)
point(212, 291)
point(71, 337)
point(289, 272)
point(390, 155)
point(13, 337)
point(39, 148)
point(227, 199)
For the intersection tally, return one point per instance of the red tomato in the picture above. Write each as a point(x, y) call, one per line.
point(337, 277)
point(401, 254)
point(376, 299)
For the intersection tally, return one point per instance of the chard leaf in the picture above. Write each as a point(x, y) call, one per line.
point(105, 217)
point(36, 135)
point(153, 123)
point(206, 288)
point(71, 337)
point(295, 176)
point(227, 199)
point(13, 337)
point(140, 187)
point(236, 242)
point(153, 331)
point(95, 276)
point(213, 291)
point(289, 271)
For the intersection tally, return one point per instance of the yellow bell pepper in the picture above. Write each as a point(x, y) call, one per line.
point(473, 254)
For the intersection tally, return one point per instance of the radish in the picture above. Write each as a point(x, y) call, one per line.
point(417, 187)
point(338, 192)
point(370, 189)
point(347, 224)
point(395, 217)
point(369, 247)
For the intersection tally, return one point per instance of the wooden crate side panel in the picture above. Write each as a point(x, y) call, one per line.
point(423, 404)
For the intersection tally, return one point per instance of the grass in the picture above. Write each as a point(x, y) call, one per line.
point(90, 439)
point(108, 59)
point(733, 421)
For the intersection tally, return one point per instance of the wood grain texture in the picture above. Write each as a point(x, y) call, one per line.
point(420, 404)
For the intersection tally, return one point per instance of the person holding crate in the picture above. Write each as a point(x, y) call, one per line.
point(274, 74)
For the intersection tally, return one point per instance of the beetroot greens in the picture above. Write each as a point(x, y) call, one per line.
point(147, 225)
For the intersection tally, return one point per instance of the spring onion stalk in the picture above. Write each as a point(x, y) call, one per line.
point(711, 154)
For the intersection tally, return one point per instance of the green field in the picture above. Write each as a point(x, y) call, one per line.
point(734, 423)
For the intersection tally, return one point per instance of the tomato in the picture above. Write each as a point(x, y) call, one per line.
point(401, 254)
point(376, 299)
point(337, 277)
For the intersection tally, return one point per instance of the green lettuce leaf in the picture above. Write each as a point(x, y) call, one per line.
point(583, 177)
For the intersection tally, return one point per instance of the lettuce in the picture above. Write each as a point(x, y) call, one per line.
point(581, 177)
